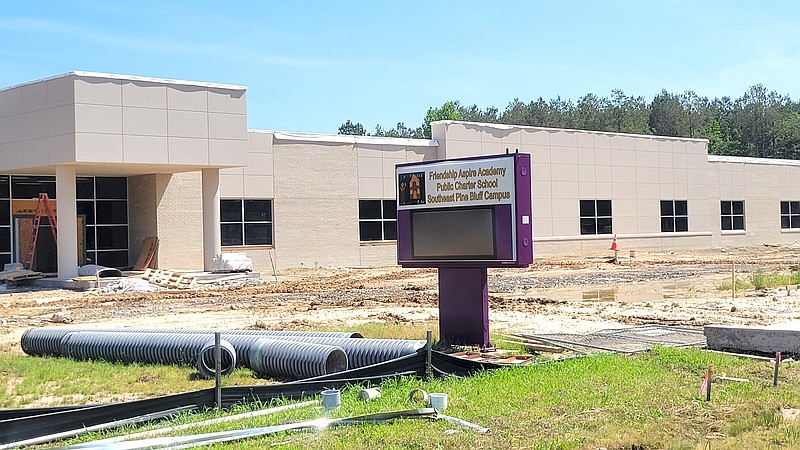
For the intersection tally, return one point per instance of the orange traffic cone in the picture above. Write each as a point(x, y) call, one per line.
point(614, 243)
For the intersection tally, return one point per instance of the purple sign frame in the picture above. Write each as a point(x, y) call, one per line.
point(463, 284)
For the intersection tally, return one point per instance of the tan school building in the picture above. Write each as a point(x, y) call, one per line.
point(124, 158)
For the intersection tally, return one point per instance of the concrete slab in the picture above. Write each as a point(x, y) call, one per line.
point(784, 338)
point(794, 325)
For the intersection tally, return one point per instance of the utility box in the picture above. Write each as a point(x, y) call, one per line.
point(231, 262)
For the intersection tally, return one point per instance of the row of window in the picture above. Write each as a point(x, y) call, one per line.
point(249, 222)
point(102, 207)
point(595, 216)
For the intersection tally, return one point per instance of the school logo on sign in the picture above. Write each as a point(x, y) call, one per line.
point(411, 188)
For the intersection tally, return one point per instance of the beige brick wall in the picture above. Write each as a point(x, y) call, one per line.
point(378, 255)
point(142, 214)
point(180, 220)
point(316, 204)
point(315, 187)
point(635, 172)
point(762, 185)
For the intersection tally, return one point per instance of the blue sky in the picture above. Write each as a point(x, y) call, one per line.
point(309, 66)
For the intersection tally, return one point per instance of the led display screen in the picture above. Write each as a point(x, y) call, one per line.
point(453, 233)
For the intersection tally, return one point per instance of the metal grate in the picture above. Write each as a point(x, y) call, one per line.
point(622, 340)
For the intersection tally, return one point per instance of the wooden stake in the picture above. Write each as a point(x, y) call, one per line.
point(733, 281)
point(777, 365)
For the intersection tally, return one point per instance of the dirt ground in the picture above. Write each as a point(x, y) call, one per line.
point(553, 295)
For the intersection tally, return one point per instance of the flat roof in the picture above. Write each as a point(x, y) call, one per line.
point(348, 138)
point(752, 160)
point(114, 76)
point(505, 127)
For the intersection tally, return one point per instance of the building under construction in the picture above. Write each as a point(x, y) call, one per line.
point(125, 158)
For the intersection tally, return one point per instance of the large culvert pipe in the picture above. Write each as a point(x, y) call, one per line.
point(366, 352)
point(45, 340)
point(154, 348)
point(360, 352)
point(295, 359)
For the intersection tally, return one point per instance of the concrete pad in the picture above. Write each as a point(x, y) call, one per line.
point(784, 338)
point(794, 325)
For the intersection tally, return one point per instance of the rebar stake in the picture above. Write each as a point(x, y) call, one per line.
point(428, 350)
point(218, 370)
point(777, 365)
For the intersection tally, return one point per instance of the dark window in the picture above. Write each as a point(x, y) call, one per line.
point(370, 209)
point(790, 215)
point(112, 237)
point(112, 259)
point(5, 239)
point(112, 212)
point(106, 219)
point(232, 234)
point(25, 187)
point(230, 210)
point(257, 233)
point(84, 188)
point(5, 220)
point(595, 217)
point(674, 216)
point(5, 212)
point(111, 187)
point(90, 241)
point(246, 222)
point(377, 220)
point(86, 209)
point(5, 187)
point(257, 211)
point(732, 214)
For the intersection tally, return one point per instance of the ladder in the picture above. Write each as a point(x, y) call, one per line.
point(43, 206)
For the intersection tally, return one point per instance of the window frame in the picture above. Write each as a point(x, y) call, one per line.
point(728, 214)
point(792, 215)
point(387, 220)
point(673, 217)
point(594, 217)
point(7, 220)
point(243, 221)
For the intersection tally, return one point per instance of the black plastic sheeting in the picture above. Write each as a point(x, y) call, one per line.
point(18, 425)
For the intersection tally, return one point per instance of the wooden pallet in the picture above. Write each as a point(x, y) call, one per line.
point(147, 256)
point(169, 279)
point(13, 276)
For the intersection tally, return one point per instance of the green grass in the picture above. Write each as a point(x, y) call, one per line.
point(649, 401)
point(761, 280)
point(741, 285)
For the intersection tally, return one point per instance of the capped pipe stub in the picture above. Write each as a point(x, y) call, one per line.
point(418, 396)
point(369, 394)
point(438, 400)
point(331, 398)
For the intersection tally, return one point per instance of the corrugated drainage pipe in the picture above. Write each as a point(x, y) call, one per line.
point(154, 348)
point(45, 340)
point(294, 359)
point(366, 352)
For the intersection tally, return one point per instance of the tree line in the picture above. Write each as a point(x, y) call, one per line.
point(760, 123)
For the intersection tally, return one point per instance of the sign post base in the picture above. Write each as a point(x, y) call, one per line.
point(464, 306)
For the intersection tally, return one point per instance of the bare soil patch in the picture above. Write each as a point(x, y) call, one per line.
point(553, 295)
